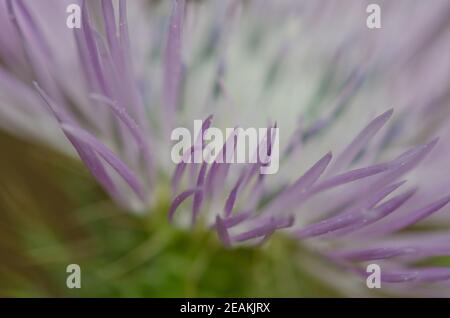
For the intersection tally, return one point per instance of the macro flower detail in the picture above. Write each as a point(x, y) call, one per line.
point(362, 119)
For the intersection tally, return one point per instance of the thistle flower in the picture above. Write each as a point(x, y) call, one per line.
point(310, 68)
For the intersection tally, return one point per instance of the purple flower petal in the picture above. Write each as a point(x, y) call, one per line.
point(412, 218)
point(117, 164)
point(374, 215)
point(360, 142)
point(173, 67)
point(351, 176)
point(178, 200)
point(371, 254)
point(222, 232)
point(198, 197)
point(262, 230)
point(294, 192)
point(232, 197)
point(354, 220)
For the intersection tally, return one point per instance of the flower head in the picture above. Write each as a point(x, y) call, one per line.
point(310, 68)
